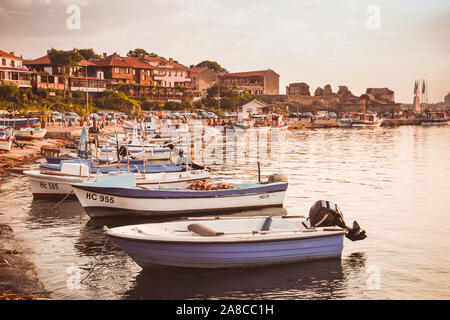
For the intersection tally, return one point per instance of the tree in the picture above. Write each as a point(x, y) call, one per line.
point(65, 61)
point(9, 92)
point(138, 52)
point(110, 99)
point(213, 65)
point(82, 111)
point(89, 54)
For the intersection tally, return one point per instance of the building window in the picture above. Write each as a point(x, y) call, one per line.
point(127, 70)
point(149, 72)
point(12, 63)
point(116, 70)
point(170, 73)
point(3, 62)
point(143, 77)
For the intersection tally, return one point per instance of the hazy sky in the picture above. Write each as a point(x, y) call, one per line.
point(313, 41)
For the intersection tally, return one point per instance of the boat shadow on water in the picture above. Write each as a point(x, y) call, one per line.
point(47, 213)
point(326, 279)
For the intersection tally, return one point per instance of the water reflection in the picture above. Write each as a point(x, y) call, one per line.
point(319, 280)
point(48, 214)
point(386, 179)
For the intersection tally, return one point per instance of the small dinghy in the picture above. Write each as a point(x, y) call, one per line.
point(120, 196)
point(226, 242)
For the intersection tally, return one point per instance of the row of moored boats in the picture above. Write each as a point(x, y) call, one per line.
point(115, 176)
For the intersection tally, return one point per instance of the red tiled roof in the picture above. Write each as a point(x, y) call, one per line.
point(24, 69)
point(8, 55)
point(111, 61)
point(85, 63)
point(137, 62)
point(39, 61)
point(247, 74)
point(45, 60)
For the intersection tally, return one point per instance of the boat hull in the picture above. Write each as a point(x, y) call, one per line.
point(5, 144)
point(30, 133)
point(433, 123)
point(230, 255)
point(48, 186)
point(101, 202)
point(344, 123)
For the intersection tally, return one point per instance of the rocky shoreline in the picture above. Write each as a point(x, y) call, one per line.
point(18, 278)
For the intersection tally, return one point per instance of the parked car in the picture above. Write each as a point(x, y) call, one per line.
point(307, 115)
point(58, 116)
point(332, 115)
point(322, 114)
point(95, 116)
point(71, 116)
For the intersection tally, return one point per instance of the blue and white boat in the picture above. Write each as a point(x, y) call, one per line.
point(227, 242)
point(120, 196)
point(18, 122)
point(53, 180)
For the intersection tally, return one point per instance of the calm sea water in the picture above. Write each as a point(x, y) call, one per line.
point(394, 181)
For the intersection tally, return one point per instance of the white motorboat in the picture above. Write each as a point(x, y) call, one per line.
point(226, 242)
point(366, 120)
point(53, 181)
point(30, 133)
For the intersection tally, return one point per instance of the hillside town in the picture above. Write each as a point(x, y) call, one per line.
point(155, 82)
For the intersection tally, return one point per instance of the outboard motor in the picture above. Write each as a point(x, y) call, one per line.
point(327, 214)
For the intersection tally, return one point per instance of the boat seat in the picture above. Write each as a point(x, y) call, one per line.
point(203, 230)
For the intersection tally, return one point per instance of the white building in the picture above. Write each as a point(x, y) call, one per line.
point(169, 73)
point(253, 107)
point(13, 71)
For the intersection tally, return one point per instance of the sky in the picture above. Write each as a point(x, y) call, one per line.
point(356, 43)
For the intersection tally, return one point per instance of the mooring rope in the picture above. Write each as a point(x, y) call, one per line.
point(96, 262)
point(65, 197)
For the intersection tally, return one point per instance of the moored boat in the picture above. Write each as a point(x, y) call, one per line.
point(53, 181)
point(434, 119)
point(30, 133)
point(6, 138)
point(226, 242)
point(18, 122)
point(366, 120)
point(122, 196)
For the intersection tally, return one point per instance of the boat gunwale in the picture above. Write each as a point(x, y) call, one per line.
point(206, 240)
point(137, 193)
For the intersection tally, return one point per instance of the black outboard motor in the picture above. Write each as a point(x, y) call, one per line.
point(327, 214)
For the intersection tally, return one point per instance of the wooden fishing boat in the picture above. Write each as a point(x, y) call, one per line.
point(227, 243)
point(121, 196)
